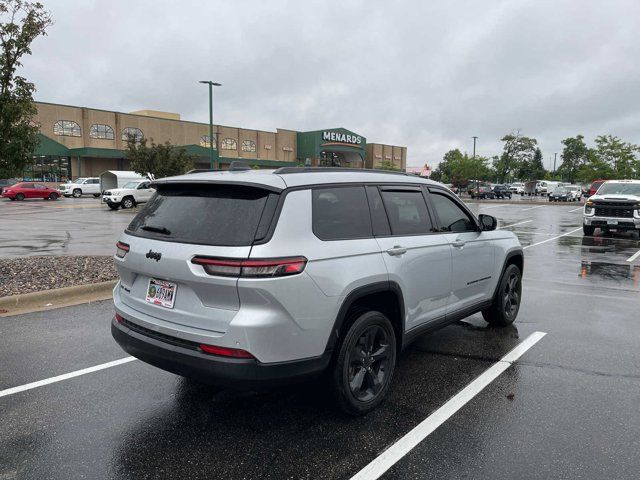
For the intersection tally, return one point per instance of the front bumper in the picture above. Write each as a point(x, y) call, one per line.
point(111, 199)
point(621, 223)
point(184, 358)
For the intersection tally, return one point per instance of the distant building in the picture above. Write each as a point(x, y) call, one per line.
point(80, 141)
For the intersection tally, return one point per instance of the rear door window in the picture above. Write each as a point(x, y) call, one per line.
point(340, 213)
point(407, 212)
point(222, 215)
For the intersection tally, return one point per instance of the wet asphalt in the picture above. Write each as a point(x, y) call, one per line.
point(568, 408)
point(68, 226)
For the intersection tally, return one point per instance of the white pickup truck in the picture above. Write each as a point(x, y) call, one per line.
point(81, 186)
point(132, 193)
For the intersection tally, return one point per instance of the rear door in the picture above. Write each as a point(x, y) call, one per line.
point(472, 251)
point(181, 222)
point(417, 257)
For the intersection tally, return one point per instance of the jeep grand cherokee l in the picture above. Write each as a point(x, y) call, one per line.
point(616, 206)
point(250, 278)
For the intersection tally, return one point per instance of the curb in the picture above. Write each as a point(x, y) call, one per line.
point(55, 298)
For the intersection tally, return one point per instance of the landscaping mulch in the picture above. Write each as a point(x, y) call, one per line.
point(33, 274)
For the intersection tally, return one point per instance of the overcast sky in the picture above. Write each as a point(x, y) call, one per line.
point(427, 75)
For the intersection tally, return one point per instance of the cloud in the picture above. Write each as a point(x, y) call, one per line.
point(428, 76)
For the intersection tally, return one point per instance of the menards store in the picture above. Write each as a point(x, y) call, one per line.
point(80, 142)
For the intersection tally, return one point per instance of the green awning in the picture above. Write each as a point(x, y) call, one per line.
point(96, 152)
point(48, 146)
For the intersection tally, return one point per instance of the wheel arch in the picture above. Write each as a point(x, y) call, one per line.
point(513, 257)
point(382, 296)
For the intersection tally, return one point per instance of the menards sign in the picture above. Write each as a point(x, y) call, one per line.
point(338, 137)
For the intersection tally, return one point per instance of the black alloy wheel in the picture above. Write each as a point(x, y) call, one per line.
point(53, 196)
point(20, 197)
point(511, 295)
point(506, 302)
point(368, 362)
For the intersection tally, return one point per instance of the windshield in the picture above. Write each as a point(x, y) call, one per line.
point(561, 190)
point(619, 189)
point(80, 180)
point(131, 185)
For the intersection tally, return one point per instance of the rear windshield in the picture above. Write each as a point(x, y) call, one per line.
point(224, 215)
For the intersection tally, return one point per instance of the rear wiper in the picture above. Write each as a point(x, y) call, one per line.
point(151, 228)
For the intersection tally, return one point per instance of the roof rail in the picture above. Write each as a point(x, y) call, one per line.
point(201, 170)
point(289, 170)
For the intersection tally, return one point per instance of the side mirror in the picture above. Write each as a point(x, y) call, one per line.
point(487, 222)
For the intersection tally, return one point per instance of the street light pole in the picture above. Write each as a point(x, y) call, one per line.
point(212, 163)
point(555, 155)
point(474, 161)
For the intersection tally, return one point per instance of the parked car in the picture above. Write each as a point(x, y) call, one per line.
point(615, 206)
point(546, 187)
point(258, 278)
point(483, 192)
point(81, 186)
point(501, 191)
point(564, 194)
point(517, 187)
point(21, 191)
point(595, 185)
point(133, 193)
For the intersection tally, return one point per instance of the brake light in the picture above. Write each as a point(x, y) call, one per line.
point(225, 352)
point(252, 268)
point(121, 249)
point(118, 318)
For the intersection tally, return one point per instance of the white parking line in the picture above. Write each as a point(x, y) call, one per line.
point(494, 206)
point(552, 238)
point(514, 224)
point(575, 209)
point(634, 256)
point(395, 452)
point(66, 376)
point(531, 208)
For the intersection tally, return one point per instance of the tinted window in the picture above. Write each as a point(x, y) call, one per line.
point(340, 213)
point(407, 212)
point(452, 218)
point(222, 215)
point(379, 220)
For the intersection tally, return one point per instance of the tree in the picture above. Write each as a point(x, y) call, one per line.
point(457, 168)
point(161, 160)
point(619, 155)
point(574, 155)
point(21, 22)
point(517, 150)
point(532, 168)
point(594, 168)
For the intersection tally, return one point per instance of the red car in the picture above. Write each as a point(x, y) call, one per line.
point(20, 191)
point(595, 185)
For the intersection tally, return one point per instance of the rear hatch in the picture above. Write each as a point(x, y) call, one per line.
point(183, 221)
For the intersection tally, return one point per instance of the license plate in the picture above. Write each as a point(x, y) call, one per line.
point(612, 222)
point(161, 293)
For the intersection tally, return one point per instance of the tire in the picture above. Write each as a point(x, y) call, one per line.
point(77, 193)
point(128, 202)
point(20, 197)
point(13, 199)
point(96, 195)
point(361, 377)
point(588, 230)
point(53, 196)
point(113, 206)
point(506, 303)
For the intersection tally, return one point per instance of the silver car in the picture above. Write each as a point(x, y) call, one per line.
point(257, 278)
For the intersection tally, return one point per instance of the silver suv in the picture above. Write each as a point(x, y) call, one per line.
point(255, 278)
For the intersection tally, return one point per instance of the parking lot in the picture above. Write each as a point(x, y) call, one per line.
point(567, 408)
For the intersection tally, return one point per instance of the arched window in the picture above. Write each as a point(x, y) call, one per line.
point(132, 133)
point(99, 130)
point(248, 146)
point(67, 128)
point(229, 144)
point(204, 141)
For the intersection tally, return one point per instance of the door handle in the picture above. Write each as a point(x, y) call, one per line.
point(396, 250)
point(459, 243)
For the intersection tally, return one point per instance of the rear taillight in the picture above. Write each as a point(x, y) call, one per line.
point(254, 268)
point(118, 318)
point(225, 352)
point(121, 249)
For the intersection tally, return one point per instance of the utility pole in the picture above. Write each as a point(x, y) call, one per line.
point(555, 156)
point(212, 163)
point(474, 160)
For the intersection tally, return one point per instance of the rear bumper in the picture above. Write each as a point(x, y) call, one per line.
point(188, 361)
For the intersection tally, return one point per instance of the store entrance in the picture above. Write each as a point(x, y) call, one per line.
point(330, 158)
